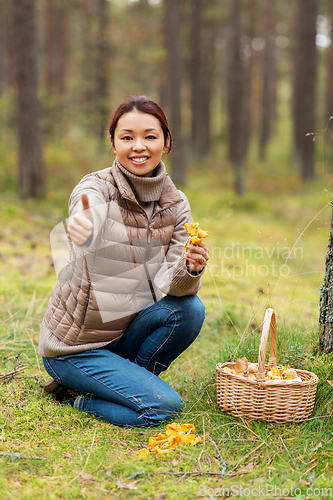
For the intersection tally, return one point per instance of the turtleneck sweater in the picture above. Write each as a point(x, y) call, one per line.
point(146, 189)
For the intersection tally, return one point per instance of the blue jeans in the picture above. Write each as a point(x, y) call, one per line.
point(120, 382)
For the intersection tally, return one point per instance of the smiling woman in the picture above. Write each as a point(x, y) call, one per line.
point(125, 305)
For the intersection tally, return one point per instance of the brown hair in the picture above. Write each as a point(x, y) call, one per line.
point(142, 104)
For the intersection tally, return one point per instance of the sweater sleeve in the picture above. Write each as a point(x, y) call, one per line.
point(173, 278)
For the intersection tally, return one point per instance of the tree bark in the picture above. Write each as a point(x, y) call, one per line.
point(326, 300)
point(236, 100)
point(172, 32)
point(50, 48)
point(55, 64)
point(250, 10)
point(305, 87)
point(329, 79)
point(102, 67)
point(87, 98)
point(32, 177)
point(196, 30)
point(268, 79)
point(3, 46)
point(207, 76)
point(203, 36)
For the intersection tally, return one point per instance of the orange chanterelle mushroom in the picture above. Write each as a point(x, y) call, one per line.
point(195, 233)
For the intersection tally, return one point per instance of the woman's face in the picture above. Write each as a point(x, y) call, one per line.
point(139, 142)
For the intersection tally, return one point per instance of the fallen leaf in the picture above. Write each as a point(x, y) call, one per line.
point(109, 472)
point(247, 468)
point(126, 485)
point(330, 382)
point(174, 462)
point(84, 475)
point(330, 408)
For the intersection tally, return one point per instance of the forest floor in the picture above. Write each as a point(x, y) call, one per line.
point(267, 250)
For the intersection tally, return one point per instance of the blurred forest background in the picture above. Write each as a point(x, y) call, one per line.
point(229, 74)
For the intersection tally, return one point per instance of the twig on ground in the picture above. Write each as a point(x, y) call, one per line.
point(3, 429)
point(34, 348)
point(13, 373)
point(11, 316)
point(15, 456)
point(91, 447)
point(87, 459)
point(220, 458)
point(183, 475)
point(203, 473)
point(242, 459)
point(290, 456)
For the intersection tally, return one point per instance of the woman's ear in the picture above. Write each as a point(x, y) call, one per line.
point(166, 146)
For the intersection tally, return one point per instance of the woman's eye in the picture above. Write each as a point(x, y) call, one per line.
point(151, 137)
point(126, 138)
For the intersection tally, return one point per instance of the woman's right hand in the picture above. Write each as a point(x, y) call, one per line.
point(81, 224)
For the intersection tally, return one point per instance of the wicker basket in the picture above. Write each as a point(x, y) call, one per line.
point(261, 400)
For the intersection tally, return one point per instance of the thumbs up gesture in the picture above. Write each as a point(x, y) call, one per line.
point(81, 225)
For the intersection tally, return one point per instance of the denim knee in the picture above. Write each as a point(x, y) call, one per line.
point(195, 310)
point(164, 410)
point(199, 308)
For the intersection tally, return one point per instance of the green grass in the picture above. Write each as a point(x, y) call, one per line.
point(52, 451)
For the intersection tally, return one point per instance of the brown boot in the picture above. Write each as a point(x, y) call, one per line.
point(62, 394)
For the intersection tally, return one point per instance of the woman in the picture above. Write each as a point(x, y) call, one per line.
point(125, 305)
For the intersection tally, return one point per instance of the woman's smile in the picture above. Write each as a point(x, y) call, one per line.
point(139, 160)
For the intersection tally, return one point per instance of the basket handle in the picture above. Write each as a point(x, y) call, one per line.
point(269, 323)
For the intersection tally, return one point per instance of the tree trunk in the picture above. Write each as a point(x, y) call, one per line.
point(196, 30)
point(31, 166)
point(329, 80)
point(250, 10)
point(62, 61)
point(236, 100)
point(86, 101)
point(3, 46)
point(268, 79)
point(207, 76)
point(51, 36)
point(326, 301)
point(55, 64)
point(102, 67)
point(305, 87)
point(172, 32)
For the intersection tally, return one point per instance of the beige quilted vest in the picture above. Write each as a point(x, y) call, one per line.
point(102, 288)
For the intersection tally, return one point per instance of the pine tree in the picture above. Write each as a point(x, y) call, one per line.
point(326, 300)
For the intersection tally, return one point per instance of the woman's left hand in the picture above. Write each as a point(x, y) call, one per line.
point(196, 256)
